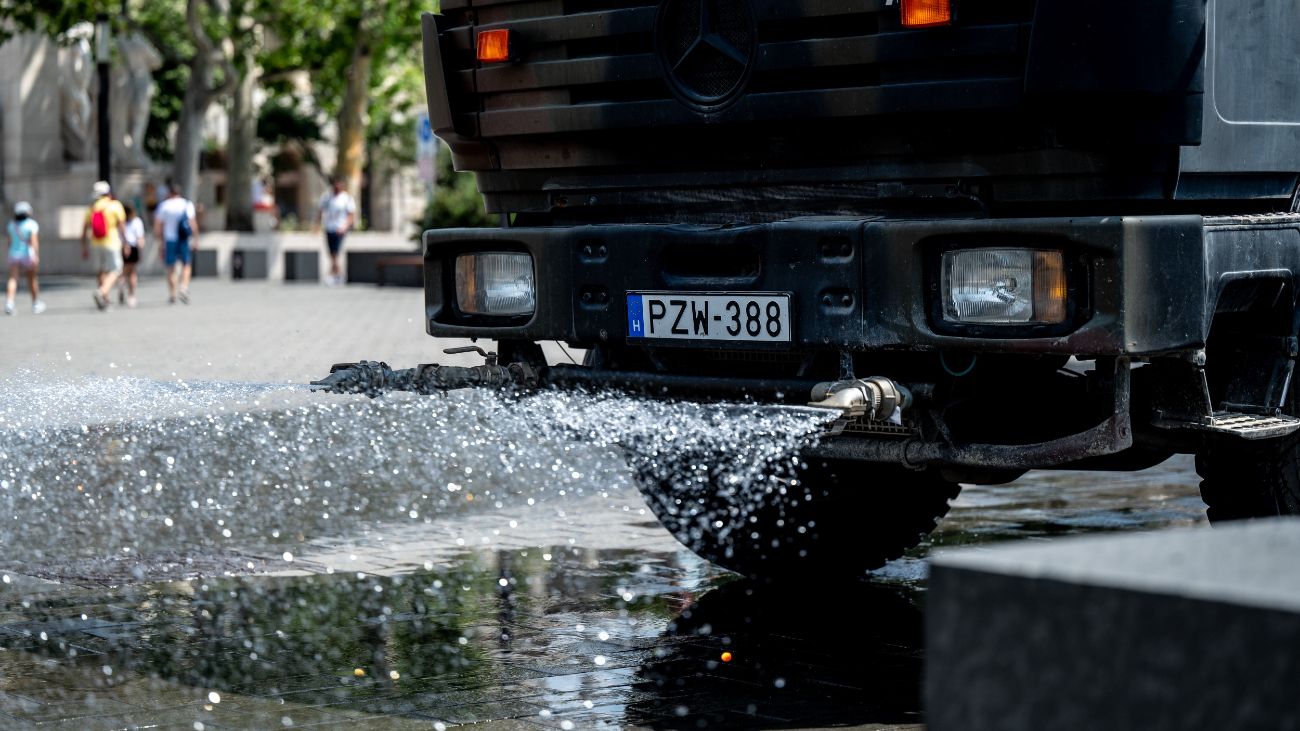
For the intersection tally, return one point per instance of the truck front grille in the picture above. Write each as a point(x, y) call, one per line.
point(591, 64)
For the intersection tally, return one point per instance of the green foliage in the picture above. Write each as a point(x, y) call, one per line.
point(51, 17)
point(456, 202)
point(282, 121)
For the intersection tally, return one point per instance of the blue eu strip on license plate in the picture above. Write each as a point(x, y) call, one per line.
point(727, 316)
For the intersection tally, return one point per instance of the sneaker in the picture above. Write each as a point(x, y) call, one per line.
point(185, 296)
point(10, 309)
point(171, 300)
point(38, 307)
point(100, 301)
point(130, 301)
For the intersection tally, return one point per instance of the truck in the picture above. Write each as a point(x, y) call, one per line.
point(997, 235)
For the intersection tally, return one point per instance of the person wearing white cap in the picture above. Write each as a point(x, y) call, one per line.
point(24, 255)
point(101, 240)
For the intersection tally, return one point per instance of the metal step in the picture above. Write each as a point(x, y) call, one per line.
point(1247, 426)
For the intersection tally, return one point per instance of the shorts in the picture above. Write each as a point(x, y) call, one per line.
point(335, 241)
point(132, 256)
point(106, 259)
point(178, 252)
point(24, 263)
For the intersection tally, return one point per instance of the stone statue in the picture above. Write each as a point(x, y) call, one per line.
point(142, 59)
point(76, 71)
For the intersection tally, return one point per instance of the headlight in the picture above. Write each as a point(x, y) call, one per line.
point(1003, 286)
point(495, 284)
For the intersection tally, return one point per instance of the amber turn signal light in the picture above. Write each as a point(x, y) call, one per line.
point(495, 46)
point(916, 14)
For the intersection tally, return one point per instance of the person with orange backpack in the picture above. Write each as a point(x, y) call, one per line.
point(104, 232)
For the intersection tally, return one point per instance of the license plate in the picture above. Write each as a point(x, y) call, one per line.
point(757, 317)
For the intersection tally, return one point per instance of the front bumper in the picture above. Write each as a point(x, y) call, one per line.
point(1141, 285)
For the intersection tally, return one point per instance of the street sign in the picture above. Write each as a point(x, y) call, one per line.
point(426, 152)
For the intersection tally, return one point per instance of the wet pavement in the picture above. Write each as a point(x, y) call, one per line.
point(229, 555)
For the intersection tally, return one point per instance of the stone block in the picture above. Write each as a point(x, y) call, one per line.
point(302, 266)
point(363, 266)
point(248, 264)
point(1180, 630)
point(205, 263)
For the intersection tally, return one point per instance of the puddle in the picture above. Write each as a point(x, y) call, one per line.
point(425, 562)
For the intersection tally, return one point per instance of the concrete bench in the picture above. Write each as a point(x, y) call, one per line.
point(412, 261)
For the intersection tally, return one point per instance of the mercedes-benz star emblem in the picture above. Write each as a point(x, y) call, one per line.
point(706, 49)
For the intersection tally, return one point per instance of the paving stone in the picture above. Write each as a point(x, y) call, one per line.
point(479, 712)
point(30, 710)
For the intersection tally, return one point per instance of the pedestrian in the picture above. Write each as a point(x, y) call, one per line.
point(175, 223)
point(132, 246)
point(24, 256)
point(101, 240)
point(338, 213)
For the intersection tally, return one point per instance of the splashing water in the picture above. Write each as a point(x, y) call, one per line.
point(249, 473)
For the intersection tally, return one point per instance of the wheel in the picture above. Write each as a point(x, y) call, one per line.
point(832, 516)
point(1250, 479)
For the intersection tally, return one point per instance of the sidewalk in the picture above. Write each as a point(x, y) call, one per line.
point(240, 331)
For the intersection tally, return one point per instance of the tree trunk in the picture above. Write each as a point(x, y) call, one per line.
point(189, 127)
point(356, 100)
point(239, 153)
point(199, 95)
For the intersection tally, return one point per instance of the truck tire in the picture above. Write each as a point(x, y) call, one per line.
point(835, 516)
point(1244, 479)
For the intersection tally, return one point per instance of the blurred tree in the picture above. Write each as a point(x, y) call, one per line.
point(456, 202)
point(52, 17)
point(365, 69)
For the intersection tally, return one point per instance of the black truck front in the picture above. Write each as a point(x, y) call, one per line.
point(996, 235)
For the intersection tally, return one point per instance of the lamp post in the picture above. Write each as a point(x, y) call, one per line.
point(103, 50)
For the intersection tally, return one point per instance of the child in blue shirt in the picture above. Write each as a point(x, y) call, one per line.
point(24, 255)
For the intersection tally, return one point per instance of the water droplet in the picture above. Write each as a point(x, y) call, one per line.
point(394, 674)
point(287, 556)
point(600, 660)
point(214, 697)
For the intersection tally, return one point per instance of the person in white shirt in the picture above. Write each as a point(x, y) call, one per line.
point(176, 225)
point(132, 245)
point(338, 213)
